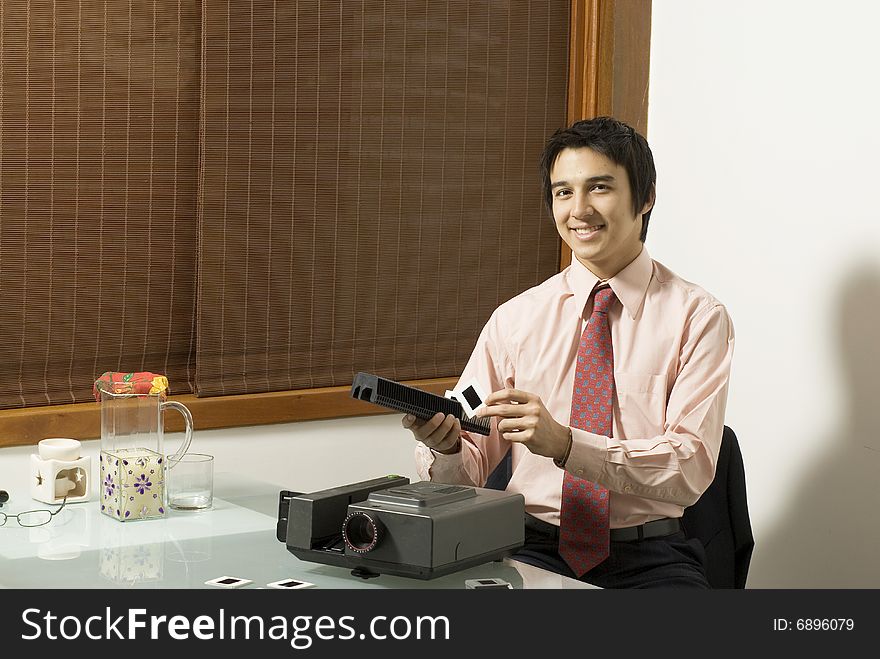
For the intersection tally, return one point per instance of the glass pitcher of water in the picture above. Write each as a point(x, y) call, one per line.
point(133, 460)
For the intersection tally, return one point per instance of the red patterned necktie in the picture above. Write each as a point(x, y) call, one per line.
point(583, 516)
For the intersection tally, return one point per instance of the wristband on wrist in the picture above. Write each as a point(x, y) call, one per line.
point(560, 462)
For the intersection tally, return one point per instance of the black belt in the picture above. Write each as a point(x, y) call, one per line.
point(655, 529)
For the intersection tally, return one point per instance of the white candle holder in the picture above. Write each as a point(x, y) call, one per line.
point(59, 471)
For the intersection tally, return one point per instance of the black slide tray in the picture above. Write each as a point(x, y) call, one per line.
point(421, 404)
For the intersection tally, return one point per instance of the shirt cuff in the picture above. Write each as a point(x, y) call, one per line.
point(589, 452)
point(432, 465)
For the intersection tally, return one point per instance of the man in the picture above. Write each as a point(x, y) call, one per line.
point(609, 382)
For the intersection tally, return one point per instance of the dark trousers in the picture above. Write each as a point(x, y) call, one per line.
point(671, 561)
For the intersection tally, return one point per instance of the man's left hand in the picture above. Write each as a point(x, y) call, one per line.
point(523, 418)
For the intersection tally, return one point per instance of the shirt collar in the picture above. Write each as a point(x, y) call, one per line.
point(629, 285)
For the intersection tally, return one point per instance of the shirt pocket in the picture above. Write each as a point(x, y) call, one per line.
point(641, 399)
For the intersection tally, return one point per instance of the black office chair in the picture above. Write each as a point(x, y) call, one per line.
point(720, 519)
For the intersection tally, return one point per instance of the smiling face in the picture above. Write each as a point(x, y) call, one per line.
point(593, 210)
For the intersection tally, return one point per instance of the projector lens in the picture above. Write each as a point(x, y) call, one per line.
point(361, 532)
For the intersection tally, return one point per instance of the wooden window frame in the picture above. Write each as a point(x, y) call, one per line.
point(608, 74)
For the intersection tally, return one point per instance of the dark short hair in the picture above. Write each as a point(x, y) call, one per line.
point(618, 142)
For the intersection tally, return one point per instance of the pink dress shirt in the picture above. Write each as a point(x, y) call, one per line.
point(673, 344)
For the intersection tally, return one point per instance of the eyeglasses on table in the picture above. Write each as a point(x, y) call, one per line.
point(31, 518)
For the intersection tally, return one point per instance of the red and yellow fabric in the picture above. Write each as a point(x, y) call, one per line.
point(144, 383)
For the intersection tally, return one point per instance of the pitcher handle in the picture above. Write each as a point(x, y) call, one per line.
point(174, 458)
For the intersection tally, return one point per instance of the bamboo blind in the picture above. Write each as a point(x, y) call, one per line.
point(369, 189)
point(98, 155)
point(259, 196)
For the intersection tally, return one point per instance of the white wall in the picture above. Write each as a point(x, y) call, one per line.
point(314, 455)
point(763, 119)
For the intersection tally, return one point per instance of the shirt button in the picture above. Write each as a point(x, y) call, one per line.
point(627, 488)
point(580, 472)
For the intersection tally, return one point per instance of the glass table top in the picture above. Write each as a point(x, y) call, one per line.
point(82, 548)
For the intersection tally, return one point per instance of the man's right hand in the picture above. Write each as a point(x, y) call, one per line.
point(441, 432)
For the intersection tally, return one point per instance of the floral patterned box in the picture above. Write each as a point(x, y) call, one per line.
point(132, 484)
